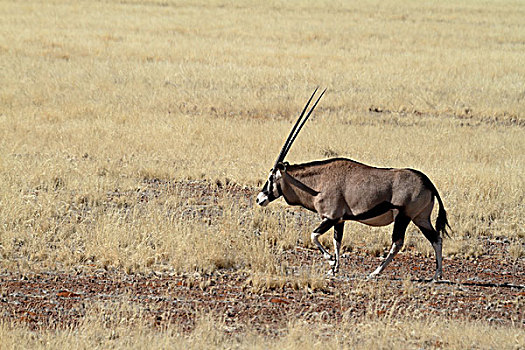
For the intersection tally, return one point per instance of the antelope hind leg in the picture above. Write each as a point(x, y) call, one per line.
point(398, 237)
point(437, 243)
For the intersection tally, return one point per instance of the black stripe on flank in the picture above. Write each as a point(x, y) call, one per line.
point(372, 213)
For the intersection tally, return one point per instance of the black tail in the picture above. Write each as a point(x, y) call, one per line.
point(441, 221)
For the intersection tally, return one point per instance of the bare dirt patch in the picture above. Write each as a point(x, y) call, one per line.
point(485, 288)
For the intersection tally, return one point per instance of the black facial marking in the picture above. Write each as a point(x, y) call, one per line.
point(268, 188)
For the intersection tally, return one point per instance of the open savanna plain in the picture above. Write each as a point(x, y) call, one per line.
point(135, 135)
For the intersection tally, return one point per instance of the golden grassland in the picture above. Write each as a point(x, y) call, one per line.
point(101, 99)
point(122, 326)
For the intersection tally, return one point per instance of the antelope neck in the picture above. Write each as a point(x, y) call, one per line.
point(293, 181)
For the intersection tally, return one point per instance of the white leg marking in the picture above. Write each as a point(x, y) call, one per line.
point(335, 263)
point(396, 247)
point(315, 240)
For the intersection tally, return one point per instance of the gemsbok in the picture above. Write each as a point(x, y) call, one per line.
point(341, 189)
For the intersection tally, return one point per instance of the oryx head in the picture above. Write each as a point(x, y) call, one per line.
point(272, 188)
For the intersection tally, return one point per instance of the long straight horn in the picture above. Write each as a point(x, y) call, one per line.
point(302, 123)
point(285, 148)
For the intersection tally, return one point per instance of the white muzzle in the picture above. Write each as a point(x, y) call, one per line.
point(262, 199)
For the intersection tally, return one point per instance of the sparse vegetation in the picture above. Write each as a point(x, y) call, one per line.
point(517, 250)
point(123, 326)
point(134, 134)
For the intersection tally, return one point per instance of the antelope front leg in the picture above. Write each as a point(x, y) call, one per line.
point(319, 231)
point(396, 247)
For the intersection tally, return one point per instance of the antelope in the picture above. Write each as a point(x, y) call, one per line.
point(341, 189)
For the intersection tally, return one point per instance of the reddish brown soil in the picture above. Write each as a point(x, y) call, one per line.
point(485, 288)
point(491, 287)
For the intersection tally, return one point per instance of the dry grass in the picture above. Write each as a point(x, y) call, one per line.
point(122, 325)
point(100, 100)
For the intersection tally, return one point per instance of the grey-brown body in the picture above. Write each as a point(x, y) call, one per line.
point(341, 189)
point(346, 188)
